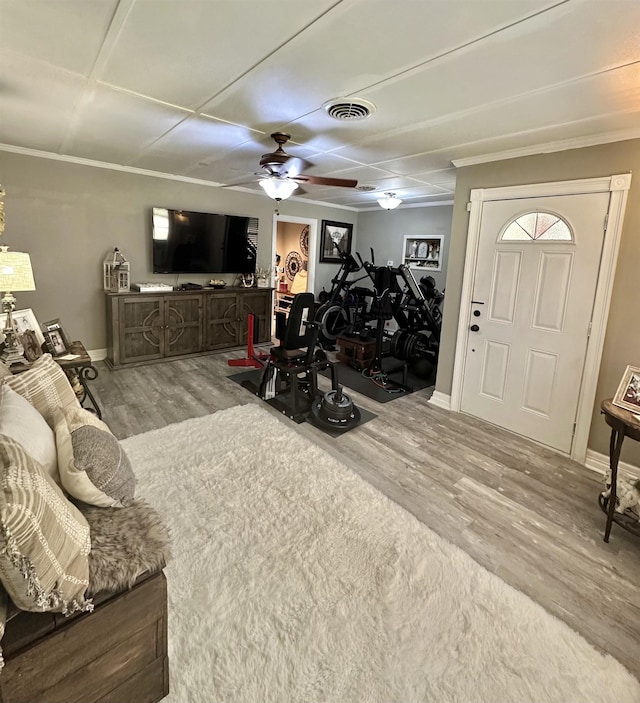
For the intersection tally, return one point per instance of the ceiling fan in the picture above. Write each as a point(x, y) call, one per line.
point(283, 173)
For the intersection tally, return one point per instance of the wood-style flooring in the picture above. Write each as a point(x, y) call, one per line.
point(523, 512)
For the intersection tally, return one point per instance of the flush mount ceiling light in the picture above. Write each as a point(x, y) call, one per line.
point(278, 188)
point(389, 201)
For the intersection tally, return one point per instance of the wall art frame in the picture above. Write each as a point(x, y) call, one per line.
point(333, 235)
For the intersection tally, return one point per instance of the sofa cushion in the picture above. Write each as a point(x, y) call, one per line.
point(22, 422)
point(45, 386)
point(92, 463)
point(44, 539)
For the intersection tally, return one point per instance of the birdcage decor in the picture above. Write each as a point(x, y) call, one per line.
point(116, 272)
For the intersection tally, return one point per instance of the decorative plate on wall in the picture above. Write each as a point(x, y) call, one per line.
point(293, 264)
point(304, 241)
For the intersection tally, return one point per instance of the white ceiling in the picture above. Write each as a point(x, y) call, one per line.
point(194, 87)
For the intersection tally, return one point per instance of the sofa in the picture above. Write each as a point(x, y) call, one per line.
point(83, 595)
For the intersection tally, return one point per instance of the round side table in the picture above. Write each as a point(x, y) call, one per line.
point(623, 424)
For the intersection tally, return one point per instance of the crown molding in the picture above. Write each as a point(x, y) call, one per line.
point(549, 147)
point(154, 174)
point(105, 165)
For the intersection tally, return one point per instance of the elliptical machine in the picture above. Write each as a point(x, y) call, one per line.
point(344, 307)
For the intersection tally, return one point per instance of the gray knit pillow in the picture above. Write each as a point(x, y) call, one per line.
point(92, 463)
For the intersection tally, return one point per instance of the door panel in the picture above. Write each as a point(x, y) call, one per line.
point(494, 369)
point(504, 287)
point(539, 381)
point(524, 365)
point(141, 336)
point(183, 324)
point(552, 289)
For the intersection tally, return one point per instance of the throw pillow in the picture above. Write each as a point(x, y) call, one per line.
point(92, 463)
point(45, 386)
point(4, 602)
point(44, 539)
point(22, 422)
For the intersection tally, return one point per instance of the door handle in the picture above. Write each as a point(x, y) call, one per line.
point(475, 328)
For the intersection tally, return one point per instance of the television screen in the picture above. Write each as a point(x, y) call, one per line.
point(201, 242)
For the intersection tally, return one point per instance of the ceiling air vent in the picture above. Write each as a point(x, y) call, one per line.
point(349, 108)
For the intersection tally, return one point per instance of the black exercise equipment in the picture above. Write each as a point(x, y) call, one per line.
point(335, 411)
point(290, 375)
point(344, 307)
point(290, 378)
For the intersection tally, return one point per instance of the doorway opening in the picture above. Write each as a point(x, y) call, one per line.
point(294, 241)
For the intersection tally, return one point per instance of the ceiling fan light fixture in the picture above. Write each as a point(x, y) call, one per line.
point(389, 201)
point(278, 188)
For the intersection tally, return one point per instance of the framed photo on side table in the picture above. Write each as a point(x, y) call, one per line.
point(332, 236)
point(628, 394)
point(29, 333)
point(24, 321)
point(55, 339)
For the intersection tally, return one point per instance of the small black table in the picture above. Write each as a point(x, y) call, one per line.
point(623, 424)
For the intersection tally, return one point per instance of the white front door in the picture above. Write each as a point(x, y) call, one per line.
point(532, 302)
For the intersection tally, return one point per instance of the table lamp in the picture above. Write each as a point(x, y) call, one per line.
point(16, 275)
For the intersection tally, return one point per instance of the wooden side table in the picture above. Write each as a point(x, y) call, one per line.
point(623, 424)
point(82, 365)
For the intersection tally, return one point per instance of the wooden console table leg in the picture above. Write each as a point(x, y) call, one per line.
point(615, 447)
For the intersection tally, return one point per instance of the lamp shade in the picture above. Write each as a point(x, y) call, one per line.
point(278, 188)
point(16, 273)
point(389, 202)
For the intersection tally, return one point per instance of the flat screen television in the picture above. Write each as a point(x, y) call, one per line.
point(202, 242)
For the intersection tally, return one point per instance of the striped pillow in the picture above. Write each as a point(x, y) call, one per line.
point(44, 539)
point(45, 386)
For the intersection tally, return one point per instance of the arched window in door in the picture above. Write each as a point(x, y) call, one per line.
point(537, 226)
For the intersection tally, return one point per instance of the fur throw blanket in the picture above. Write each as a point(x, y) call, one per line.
point(125, 543)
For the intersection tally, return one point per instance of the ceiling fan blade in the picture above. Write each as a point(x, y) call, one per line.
point(240, 183)
point(284, 165)
point(323, 181)
point(296, 165)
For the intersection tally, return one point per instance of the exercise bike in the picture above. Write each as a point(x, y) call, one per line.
point(344, 308)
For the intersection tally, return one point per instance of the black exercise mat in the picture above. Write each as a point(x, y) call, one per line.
point(353, 379)
point(251, 381)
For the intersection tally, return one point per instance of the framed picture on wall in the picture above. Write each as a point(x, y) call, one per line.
point(335, 237)
point(423, 253)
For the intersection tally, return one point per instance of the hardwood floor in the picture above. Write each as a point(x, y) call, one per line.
point(523, 512)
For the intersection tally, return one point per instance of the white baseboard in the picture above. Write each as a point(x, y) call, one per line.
point(97, 354)
point(440, 400)
point(600, 463)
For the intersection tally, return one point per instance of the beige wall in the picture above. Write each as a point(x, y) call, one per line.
point(69, 216)
point(622, 343)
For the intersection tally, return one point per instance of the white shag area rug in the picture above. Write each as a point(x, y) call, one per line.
point(295, 580)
